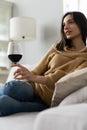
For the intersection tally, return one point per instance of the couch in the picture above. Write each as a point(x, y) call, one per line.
point(69, 117)
point(68, 109)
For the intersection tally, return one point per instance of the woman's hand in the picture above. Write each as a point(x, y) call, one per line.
point(22, 73)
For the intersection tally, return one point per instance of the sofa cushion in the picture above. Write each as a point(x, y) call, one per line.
point(76, 97)
point(69, 84)
point(18, 121)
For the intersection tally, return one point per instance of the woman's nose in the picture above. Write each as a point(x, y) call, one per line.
point(66, 26)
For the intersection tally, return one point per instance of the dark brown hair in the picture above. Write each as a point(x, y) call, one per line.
point(81, 22)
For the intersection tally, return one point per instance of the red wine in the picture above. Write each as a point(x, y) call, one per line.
point(15, 57)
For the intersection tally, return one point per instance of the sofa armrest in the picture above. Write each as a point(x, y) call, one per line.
point(70, 117)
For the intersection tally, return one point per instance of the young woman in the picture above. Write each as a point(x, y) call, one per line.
point(33, 90)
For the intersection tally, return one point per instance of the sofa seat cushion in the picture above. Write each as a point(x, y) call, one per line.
point(19, 121)
point(72, 117)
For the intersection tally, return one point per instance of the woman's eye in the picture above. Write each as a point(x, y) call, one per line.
point(63, 25)
point(71, 21)
point(68, 22)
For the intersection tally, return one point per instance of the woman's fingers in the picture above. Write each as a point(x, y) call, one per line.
point(21, 72)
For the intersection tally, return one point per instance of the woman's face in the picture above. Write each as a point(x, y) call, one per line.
point(71, 30)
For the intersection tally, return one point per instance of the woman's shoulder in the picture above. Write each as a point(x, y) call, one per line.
point(84, 49)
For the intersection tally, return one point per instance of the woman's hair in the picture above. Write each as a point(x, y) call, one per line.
point(81, 22)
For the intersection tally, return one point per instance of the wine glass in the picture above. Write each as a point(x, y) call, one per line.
point(14, 52)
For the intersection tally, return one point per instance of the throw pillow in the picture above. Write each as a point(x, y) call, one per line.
point(69, 84)
point(79, 96)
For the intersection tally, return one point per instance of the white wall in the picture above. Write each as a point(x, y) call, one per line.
point(48, 16)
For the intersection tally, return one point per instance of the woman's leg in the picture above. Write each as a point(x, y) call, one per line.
point(10, 106)
point(1, 90)
point(19, 90)
point(36, 105)
point(19, 96)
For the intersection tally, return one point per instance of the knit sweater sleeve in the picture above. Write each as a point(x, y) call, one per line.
point(53, 77)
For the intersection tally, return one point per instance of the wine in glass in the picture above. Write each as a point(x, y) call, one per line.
point(14, 52)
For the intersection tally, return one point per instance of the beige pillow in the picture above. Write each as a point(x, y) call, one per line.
point(69, 84)
point(79, 96)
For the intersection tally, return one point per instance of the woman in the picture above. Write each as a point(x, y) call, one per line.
point(35, 92)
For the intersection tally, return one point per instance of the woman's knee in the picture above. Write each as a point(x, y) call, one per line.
point(19, 90)
point(9, 87)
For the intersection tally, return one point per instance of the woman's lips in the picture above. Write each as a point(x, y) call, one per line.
point(67, 33)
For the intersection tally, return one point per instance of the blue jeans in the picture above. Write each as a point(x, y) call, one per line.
point(19, 96)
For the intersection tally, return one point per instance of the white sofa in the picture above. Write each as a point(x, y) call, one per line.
point(69, 117)
point(69, 114)
point(19, 121)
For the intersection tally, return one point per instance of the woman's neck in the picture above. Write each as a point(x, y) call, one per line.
point(78, 44)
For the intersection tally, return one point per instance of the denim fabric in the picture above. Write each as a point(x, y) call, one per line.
point(18, 96)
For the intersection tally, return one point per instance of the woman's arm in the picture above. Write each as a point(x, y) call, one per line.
point(35, 75)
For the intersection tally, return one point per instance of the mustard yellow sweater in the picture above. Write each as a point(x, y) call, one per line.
point(54, 65)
